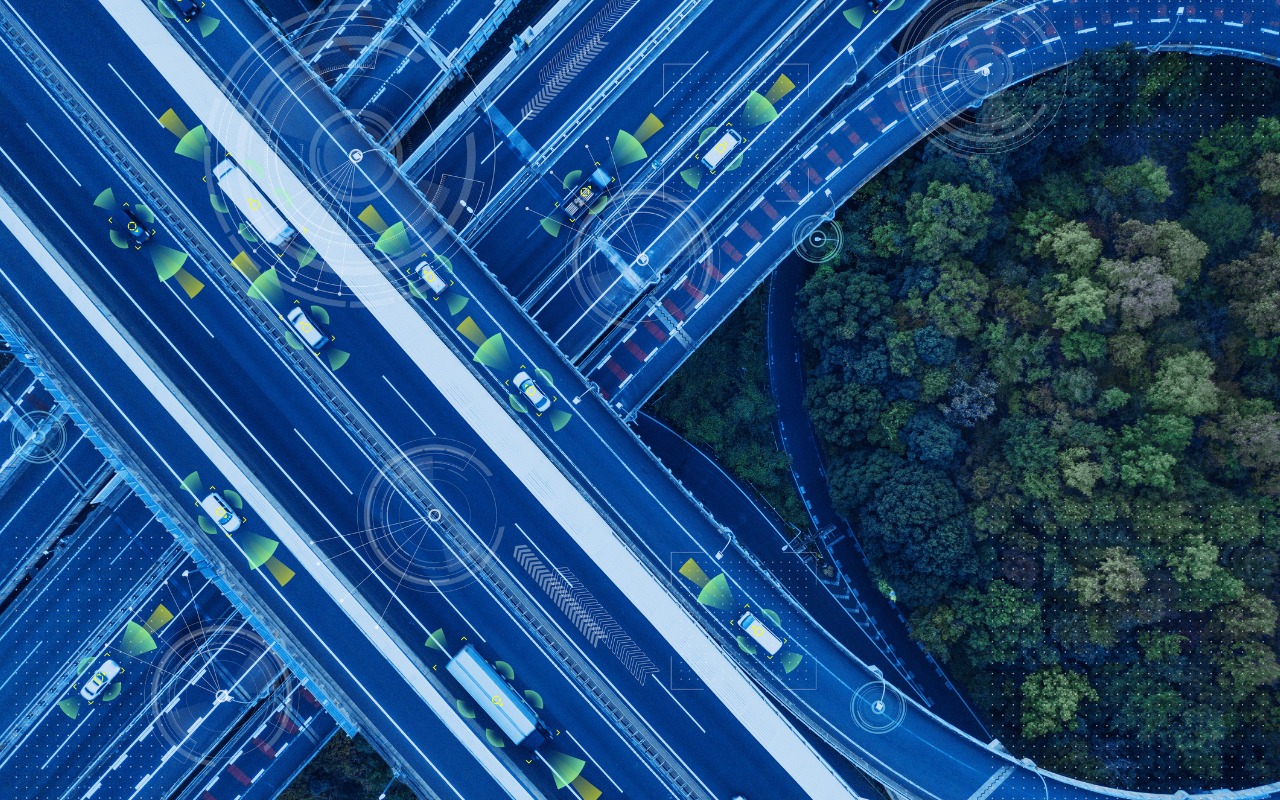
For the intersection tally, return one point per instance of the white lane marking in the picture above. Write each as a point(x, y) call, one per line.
point(861, 147)
point(55, 155)
point(889, 127)
point(18, 669)
point(599, 766)
point(1124, 24)
point(1052, 39)
point(1231, 24)
point(950, 85)
point(1083, 31)
point(130, 542)
point(410, 405)
point(916, 107)
point(677, 702)
point(1166, 19)
point(1018, 52)
point(324, 462)
point(682, 77)
point(135, 94)
point(865, 103)
point(1264, 30)
point(74, 730)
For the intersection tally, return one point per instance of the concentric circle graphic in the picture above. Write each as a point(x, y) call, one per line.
point(409, 548)
point(970, 68)
point(878, 707)
point(628, 227)
point(206, 667)
point(817, 239)
point(38, 437)
point(348, 158)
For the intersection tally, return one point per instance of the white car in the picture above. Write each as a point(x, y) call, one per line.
point(302, 325)
point(105, 675)
point(526, 386)
point(220, 512)
point(430, 278)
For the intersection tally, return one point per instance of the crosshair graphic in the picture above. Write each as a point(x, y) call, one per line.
point(977, 123)
point(38, 437)
point(204, 668)
point(878, 707)
point(404, 545)
point(817, 239)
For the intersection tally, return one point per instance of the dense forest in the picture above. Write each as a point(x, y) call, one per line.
point(1047, 387)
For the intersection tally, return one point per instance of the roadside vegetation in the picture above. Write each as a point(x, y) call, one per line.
point(720, 400)
point(1047, 386)
point(345, 769)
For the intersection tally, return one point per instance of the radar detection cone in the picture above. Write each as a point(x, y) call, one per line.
point(705, 135)
point(559, 419)
point(745, 645)
point(144, 213)
point(158, 619)
point(136, 641)
point(193, 144)
point(564, 767)
point(246, 232)
point(206, 525)
point(758, 111)
point(319, 313)
point(694, 573)
point(170, 121)
point(373, 219)
point(267, 288)
point(336, 358)
point(855, 16)
point(600, 204)
point(516, 405)
point(649, 127)
point(234, 498)
point(550, 226)
point(167, 261)
point(189, 283)
point(393, 241)
point(165, 10)
point(436, 641)
point(106, 199)
point(692, 176)
point(627, 150)
point(245, 266)
point(465, 709)
point(113, 691)
point(533, 698)
point(505, 670)
point(494, 738)
point(571, 179)
point(70, 707)
point(219, 204)
point(780, 89)
point(305, 257)
point(772, 615)
point(455, 301)
point(279, 571)
point(716, 593)
point(493, 353)
point(207, 24)
point(791, 660)
point(257, 548)
point(83, 665)
point(117, 238)
point(585, 789)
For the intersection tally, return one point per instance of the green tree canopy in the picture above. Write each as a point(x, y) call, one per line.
point(1051, 699)
point(947, 221)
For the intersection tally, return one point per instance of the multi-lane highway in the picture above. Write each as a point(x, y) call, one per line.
point(526, 519)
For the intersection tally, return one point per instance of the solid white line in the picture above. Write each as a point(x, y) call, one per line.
point(682, 77)
point(67, 739)
point(18, 669)
point(587, 752)
point(410, 405)
point(120, 552)
point(55, 155)
point(677, 702)
point(324, 462)
point(135, 94)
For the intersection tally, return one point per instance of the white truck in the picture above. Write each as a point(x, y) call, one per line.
point(489, 691)
point(266, 221)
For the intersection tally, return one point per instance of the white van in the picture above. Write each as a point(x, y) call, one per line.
point(102, 677)
point(302, 325)
point(722, 149)
point(763, 636)
point(431, 278)
point(220, 512)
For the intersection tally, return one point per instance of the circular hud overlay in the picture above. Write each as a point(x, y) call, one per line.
point(412, 545)
point(980, 124)
point(338, 153)
point(38, 437)
point(878, 707)
point(206, 667)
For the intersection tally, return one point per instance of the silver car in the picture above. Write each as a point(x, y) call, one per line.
point(104, 675)
point(306, 329)
point(527, 387)
point(220, 512)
